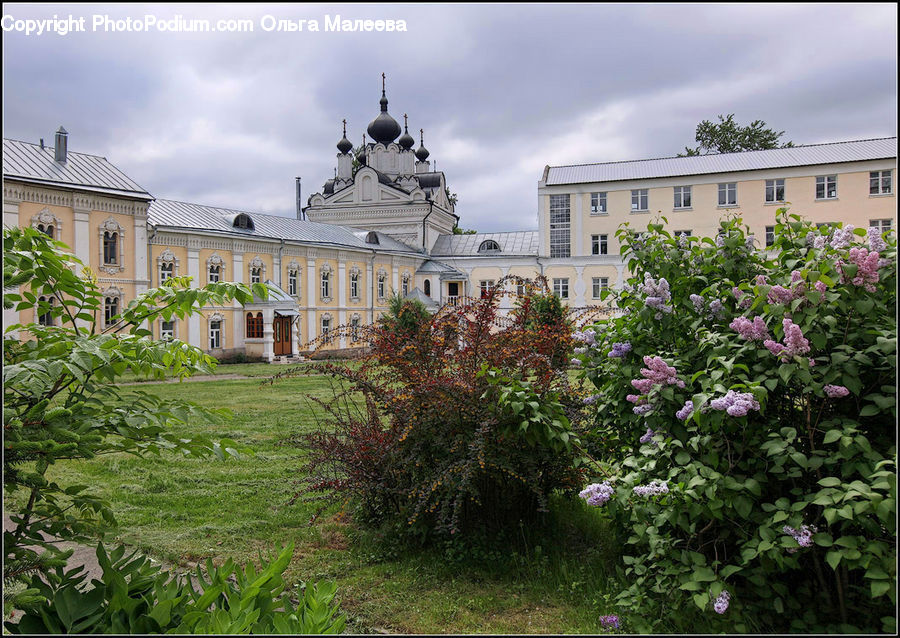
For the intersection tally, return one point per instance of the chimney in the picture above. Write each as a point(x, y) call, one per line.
point(299, 201)
point(42, 143)
point(60, 148)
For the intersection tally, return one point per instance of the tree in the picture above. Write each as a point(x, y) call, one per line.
point(729, 137)
point(61, 401)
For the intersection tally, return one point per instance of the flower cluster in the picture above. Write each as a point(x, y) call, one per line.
point(653, 489)
point(803, 536)
point(815, 240)
point(836, 391)
point(657, 294)
point(876, 241)
point(698, 302)
point(721, 604)
point(794, 341)
point(842, 237)
point(648, 437)
point(686, 411)
point(609, 622)
point(656, 372)
point(591, 400)
point(596, 494)
point(743, 299)
point(867, 264)
point(588, 336)
point(715, 306)
point(735, 403)
point(750, 330)
point(619, 350)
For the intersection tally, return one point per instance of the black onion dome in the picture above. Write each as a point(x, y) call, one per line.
point(422, 152)
point(345, 145)
point(406, 140)
point(384, 129)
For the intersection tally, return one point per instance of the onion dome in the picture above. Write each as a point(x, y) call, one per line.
point(383, 129)
point(422, 152)
point(345, 145)
point(406, 140)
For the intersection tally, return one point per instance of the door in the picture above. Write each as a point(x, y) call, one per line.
point(281, 328)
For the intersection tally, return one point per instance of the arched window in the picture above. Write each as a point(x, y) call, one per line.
point(326, 283)
point(254, 325)
point(427, 285)
point(110, 310)
point(47, 223)
point(372, 237)
point(354, 284)
point(110, 247)
point(46, 229)
point(215, 331)
point(382, 280)
point(215, 274)
point(166, 329)
point(255, 275)
point(354, 328)
point(243, 221)
point(404, 284)
point(215, 268)
point(326, 328)
point(45, 318)
point(166, 271)
point(489, 246)
point(257, 270)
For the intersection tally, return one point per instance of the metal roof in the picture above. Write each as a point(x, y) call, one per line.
point(30, 162)
point(184, 215)
point(523, 242)
point(813, 154)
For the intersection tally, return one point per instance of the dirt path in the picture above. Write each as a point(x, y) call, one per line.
point(200, 377)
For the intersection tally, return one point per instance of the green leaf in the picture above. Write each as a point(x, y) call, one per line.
point(701, 600)
point(833, 558)
point(830, 481)
point(880, 588)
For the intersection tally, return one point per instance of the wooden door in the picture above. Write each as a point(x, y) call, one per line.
point(281, 327)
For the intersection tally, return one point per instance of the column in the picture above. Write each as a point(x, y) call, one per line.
point(82, 236)
point(580, 287)
point(395, 278)
point(268, 334)
point(576, 226)
point(371, 293)
point(193, 270)
point(342, 298)
point(311, 296)
point(237, 276)
point(141, 273)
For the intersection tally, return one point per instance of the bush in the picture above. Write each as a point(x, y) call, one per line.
point(135, 597)
point(465, 422)
point(746, 407)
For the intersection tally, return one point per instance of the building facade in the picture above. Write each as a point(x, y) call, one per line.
point(384, 224)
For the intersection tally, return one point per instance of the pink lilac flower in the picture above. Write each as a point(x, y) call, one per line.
point(842, 237)
point(820, 286)
point(609, 622)
point(867, 268)
point(794, 340)
point(774, 347)
point(596, 494)
point(654, 488)
point(743, 299)
point(755, 330)
point(796, 276)
point(735, 403)
point(779, 294)
point(657, 294)
point(803, 536)
point(819, 242)
point(812, 363)
point(721, 604)
point(660, 372)
point(761, 280)
point(620, 350)
point(685, 411)
point(876, 241)
point(836, 391)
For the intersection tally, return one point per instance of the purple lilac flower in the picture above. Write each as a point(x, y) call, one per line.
point(580, 350)
point(591, 400)
point(660, 372)
point(657, 293)
point(780, 294)
point(642, 410)
point(836, 391)
point(774, 347)
point(755, 330)
point(697, 300)
point(820, 286)
point(721, 604)
point(576, 362)
point(794, 340)
point(819, 242)
point(803, 536)
point(796, 276)
point(609, 622)
point(654, 488)
point(720, 240)
point(751, 239)
point(735, 403)
point(867, 268)
point(648, 436)
point(686, 411)
point(761, 280)
point(876, 241)
point(811, 237)
point(620, 350)
point(842, 237)
point(587, 336)
point(596, 494)
point(743, 299)
point(715, 308)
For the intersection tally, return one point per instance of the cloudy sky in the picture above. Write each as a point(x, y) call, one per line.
point(229, 119)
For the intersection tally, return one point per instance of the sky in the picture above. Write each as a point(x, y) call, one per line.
point(231, 118)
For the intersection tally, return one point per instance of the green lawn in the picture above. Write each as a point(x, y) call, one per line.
point(184, 510)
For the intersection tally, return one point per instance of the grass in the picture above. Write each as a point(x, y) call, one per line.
point(184, 510)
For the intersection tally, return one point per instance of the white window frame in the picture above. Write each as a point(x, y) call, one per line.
point(598, 285)
point(354, 328)
point(640, 200)
point(727, 194)
point(166, 266)
point(163, 336)
point(325, 283)
point(883, 224)
point(485, 286)
point(824, 181)
point(215, 261)
point(382, 284)
point(682, 194)
point(116, 295)
point(404, 284)
point(600, 244)
point(770, 236)
point(772, 187)
point(325, 328)
point(561, 287)
point(45, 219)
point(560, 226)
point(683, 233)
point(112, 227)
point(598, 204)
point(354, 284)
point(880, 179)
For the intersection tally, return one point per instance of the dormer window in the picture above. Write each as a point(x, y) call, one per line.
point(489, 246)
point(372, 237)
point(243, 221)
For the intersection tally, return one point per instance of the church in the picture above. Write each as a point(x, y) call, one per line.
point(384, 224)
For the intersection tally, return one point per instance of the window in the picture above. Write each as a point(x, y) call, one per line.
point(404, 284)
point(826, 187)
point(110, 247)
point(598, 204)
point(682, 197)
point(255, 275)
point(110, 310)
point(215, 268)
point(561, 287)
point(486, 285)
point(639, 199)
point(682, 233)
point(326, 328)
point(215, 274)
point(166, 330)
point(46, 318)
point(243, 221)
point(770, 235)
point(489, 246)
point(47, 229)
point(520, 287)
point(774, 190)
point(559, 226)
point(354, 285)
point(883, 224)
point(326, 284)
point(381, 284)
point(599, 244)
point(728, 194)
point(427, 286)
point(166, 271)
point(599, 284)
point(354, 328)
point(254, 325)
point(47, 223)
point(879, 184)
point(215, 335)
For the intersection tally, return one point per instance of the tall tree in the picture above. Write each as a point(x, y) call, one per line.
point(729, 137)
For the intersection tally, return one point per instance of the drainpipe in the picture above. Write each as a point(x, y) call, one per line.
point(372, 292)
point(280, 263)
point(424, 240)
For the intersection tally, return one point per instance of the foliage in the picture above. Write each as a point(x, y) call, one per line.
point(729, 137)
point(454, 423)
point(136, 597)
point(451, 197)
point(403, 316)
point(746, 409)
point(464, 231)
point(60, 401)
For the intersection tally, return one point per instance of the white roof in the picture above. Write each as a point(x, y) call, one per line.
point(813, 154)
point(523, 242)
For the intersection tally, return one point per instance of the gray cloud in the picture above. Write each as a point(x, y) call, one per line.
point(501, 90)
